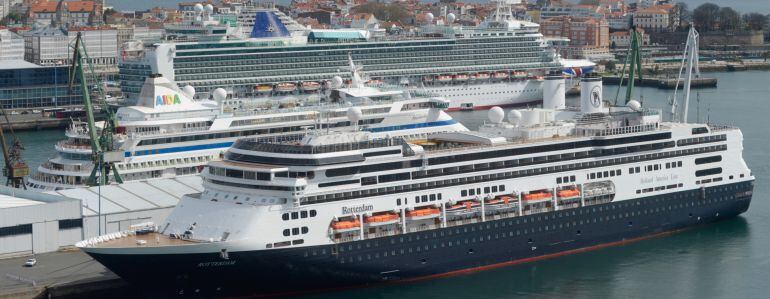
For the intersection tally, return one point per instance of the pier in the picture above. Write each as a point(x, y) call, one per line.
point(661, 82)
point(62, 275)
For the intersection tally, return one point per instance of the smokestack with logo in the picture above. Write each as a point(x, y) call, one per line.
point(554, 91)
point(591, 99)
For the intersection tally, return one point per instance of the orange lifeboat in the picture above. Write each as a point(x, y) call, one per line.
point(311, 86)
point(423, 213)
point(444, 78)
point(346, 225)
point(463, 206)
point(540, 195)
point(381, 219)
point(501, 75)
point(482, 76)
point(461, 77)
point(501, 200)
point(286, 87)
point(264, 88)
point(568, 193)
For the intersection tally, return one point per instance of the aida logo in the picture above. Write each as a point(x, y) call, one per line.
point(167, 100)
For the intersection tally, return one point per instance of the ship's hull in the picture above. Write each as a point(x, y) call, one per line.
point(430, 253)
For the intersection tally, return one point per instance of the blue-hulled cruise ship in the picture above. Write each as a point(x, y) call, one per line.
point(499, 63)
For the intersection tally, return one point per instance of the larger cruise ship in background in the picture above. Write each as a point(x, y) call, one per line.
point(547, 182)
point(168, 134)
point(499, 63)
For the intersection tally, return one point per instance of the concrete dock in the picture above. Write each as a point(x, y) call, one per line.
point(63, 275)
point(664, 83)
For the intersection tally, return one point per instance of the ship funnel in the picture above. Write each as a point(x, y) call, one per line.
point(554, 91)
point(591, 99)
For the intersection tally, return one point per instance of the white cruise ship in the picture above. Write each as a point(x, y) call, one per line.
point(375, 210)
point(169, 134)
point(499, 63)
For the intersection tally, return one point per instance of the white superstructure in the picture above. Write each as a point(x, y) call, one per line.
point(169, 134)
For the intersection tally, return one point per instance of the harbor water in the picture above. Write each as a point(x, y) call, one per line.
point(729, 259)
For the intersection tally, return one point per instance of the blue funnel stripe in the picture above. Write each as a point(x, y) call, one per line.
point(267, 24)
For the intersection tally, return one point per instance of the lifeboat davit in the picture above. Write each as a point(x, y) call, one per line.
point(342, 226)
point(519, 74)
point(286, 87)
point(423, 213)
point(382, 219)
point(537, 196)
point(427, 78)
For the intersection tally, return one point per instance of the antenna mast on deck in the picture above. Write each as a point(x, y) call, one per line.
point(690, 58)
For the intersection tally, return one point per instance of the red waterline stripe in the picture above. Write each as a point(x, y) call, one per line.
point(475, 269)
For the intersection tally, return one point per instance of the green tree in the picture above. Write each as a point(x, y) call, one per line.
point(610, 65)
point(729, 19)
point(755, 21)
point(706, 16)
point(683, 12)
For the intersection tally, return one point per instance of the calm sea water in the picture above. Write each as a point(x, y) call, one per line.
point(729, 259)
point(743, 6)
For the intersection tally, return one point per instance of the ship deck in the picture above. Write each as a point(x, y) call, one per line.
point(153, 239)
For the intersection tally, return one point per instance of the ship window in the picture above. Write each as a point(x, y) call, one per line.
point(463, 192)
point(285, 216)
point(303, 214)
point(486, 190)
point(313, 213)
point(286, 232)
point(439, 196)
point(424, 198)
point(304, 230)
point(295, 231)
point(294, 215)
point(472, 192)
point(433, 197)
point(398, 201)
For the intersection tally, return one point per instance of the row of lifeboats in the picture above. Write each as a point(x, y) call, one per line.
point(479, 76)
point(288, 87)
point(385, 218)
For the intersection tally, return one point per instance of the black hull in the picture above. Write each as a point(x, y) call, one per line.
point(430, 253)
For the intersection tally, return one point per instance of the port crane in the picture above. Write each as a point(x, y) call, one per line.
point(634, 63)
point(15, 169)
point(104, 154)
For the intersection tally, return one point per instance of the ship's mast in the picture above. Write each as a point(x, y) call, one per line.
point(690, 60)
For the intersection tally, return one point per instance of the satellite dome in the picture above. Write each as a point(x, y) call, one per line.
point(220, 94)
point(354, 114)
point(336, 82)
point(429, 17)
point(189, 91)
point(514, 117)
point(209, 8)
point(634, 105)
point(199, 7)
point(496, 115)
point(451, 18)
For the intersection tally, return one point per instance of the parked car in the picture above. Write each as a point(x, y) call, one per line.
point(30, 262)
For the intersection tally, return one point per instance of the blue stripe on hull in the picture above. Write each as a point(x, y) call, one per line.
point(199, 147)
point(429, 252)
